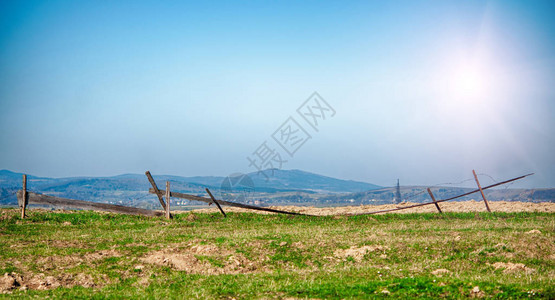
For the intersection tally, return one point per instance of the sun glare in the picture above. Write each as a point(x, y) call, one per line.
point(467, 88)
point(469, 81)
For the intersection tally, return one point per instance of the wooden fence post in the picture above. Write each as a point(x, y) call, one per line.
point(156, 190)
point(481, 191)
point(216, 202)
point(434, 199)
point(168, 200)
point(24, 196)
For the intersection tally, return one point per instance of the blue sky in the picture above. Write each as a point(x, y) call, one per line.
point(424, 91)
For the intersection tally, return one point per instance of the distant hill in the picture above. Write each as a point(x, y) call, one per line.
point(419, 194)
point(129, 187)
point(302, 180)
point(281, 187)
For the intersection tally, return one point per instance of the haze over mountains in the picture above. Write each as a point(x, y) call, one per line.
point(282, 187)
point(129, 186)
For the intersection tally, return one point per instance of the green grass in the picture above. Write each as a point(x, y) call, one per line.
point(279, 256)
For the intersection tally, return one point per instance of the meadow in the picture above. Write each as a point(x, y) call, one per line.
point(83, 254)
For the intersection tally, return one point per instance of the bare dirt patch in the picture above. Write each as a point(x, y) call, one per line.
point(358, 253)
point(12, 281)
point(50, 272)
point(9, 282)
point(203, 259)
point(60, 262)
point(440, 272)
point(477, 293)
point(8, 214)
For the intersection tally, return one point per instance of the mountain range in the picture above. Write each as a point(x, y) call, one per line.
point(276, 187)
point(127, 187)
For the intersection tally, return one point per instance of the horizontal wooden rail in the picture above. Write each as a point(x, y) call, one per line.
point(34, 198)
point(222, 202)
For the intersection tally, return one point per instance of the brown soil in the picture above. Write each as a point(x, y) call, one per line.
point(69, 261)
point(440, 272)
point(11, 281)
point(358, 253)
point(464, 206)
point(477, 293)
point(198, 259)
point(55, 265)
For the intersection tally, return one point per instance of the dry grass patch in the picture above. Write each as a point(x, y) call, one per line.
point(449, 206)
point(512, 268)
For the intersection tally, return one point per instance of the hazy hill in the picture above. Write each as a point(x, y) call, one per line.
point(419, 194)
point(130, 187)
point(282, 187)
point(301, 180)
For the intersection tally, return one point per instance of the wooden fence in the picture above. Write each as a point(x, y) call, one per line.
point(211, 200)
point(34, 198)
point(25, 198)
point(435, 202)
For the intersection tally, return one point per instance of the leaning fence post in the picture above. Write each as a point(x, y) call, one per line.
point(214, 200)
point(24, 196)
point(168, 200)
point(156, 190)
point(434, 199)
point(481, 191)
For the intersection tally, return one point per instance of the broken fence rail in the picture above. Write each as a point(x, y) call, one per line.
point(215, 202)
point(34, 198)
point(443, 200)
point(223, 202)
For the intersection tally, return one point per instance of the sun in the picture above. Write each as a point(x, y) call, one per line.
point(466, 87)
point(469, 81)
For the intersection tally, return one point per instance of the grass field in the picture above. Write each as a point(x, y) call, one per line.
point(202, 255)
